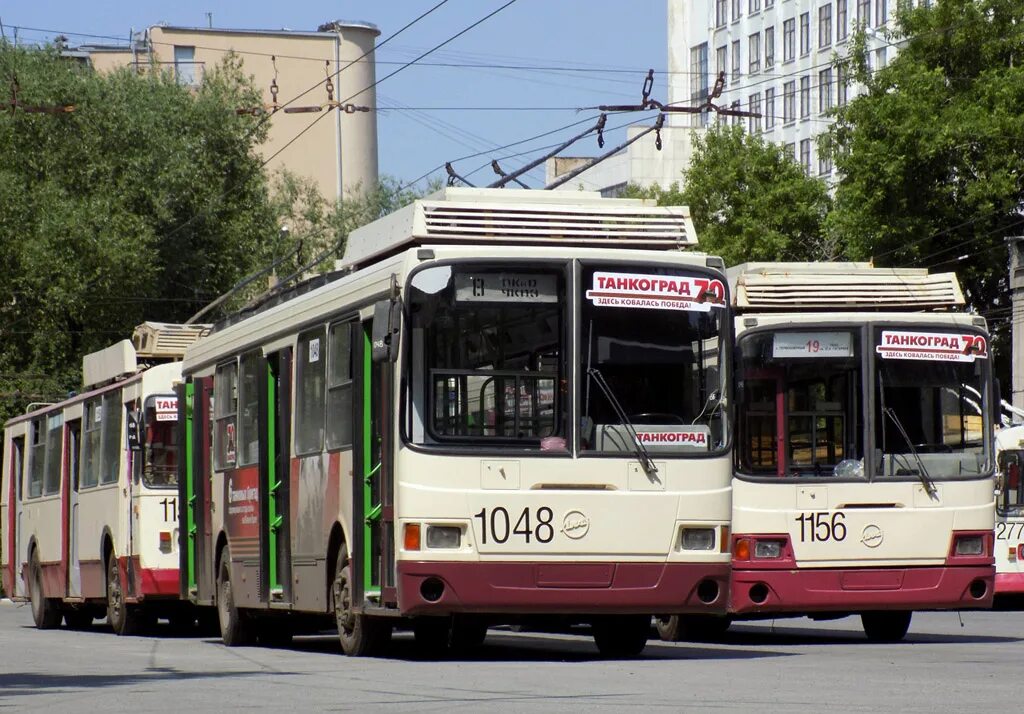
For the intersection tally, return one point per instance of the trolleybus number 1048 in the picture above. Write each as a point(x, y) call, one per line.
point(822, 526)
point(496, 524)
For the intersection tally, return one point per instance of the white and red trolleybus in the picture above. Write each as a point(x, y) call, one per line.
point(1010, 514)
point(88, 492)
point(507, 404)
point(864, 476)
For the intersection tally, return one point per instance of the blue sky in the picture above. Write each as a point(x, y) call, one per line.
point(600, 37)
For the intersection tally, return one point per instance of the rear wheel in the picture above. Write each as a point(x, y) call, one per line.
point(45, 611)
point(123, 618)
point(886, 625)
point(432, 634)
point(467, 633)
point(621, 636)
point(235, 627)
point(697, 628)
point(360, 635)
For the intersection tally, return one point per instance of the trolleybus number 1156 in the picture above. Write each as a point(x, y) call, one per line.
point(821, 526)
point(497, 524)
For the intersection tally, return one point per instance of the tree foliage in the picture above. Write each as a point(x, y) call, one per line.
point(750, 200)
point(143, 203)
point(932, 154)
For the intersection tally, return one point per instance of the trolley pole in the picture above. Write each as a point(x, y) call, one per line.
point(1016, 281)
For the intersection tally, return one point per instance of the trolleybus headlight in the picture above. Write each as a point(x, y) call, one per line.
point(444, 536)
point(768, 549)
point(698, 538)
point(970, 545)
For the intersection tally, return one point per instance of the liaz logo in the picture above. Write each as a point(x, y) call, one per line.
point(575, 525)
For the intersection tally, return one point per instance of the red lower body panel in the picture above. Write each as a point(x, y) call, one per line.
point(151, 582)
point(853, 589)
point(439, 588)
point(1009, 583)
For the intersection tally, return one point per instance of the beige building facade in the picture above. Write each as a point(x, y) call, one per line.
point(334, 147)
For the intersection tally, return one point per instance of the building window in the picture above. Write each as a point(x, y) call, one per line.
point(736, 59)
point(788, 40)
point(769, 108)
point(769, 47)
point(737, 10)
point(721, 63)
point(825, 25)
point(735, 106)
point(788, 102)
point(225, 411)
point(841, 26)
point(805, 96)
point(880, 58)
point(185, 65)
point(721, 13)
point(768, 4)
point(824, 90)
point(754, 53)
point(805, 33)
point(699, 79)
point(863, 12)
point(754, 105)
point(805, 155)
point(881, 12)
point(753, 6)
point(339, 386)
point(790, 151)
point(840, 86)
point(824, 164)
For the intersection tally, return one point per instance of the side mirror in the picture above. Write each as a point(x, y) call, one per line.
point(387, 320)
point(134, 430)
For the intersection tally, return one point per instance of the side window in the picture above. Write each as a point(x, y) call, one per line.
point(339, 387)
point(113, 440)
point(310, 392)
point(91, 443)
point(18, 464)
point(249, 410)
point(37, 459)
point(54, 443)
point(225, 399)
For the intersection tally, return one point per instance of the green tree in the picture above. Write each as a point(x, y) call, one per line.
point(143, 203)
point(750, 200)
point(931, 153)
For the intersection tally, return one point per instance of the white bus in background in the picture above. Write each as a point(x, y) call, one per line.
point(1010, 514)
point(506, 405)
point(88, 492)
point(863, 452)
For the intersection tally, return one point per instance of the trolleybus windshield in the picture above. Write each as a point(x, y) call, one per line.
point(930, 409)
point(160, 465)
point(800, 389)
point(652, 335)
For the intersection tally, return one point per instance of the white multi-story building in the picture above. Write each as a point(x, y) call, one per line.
point(777, 57)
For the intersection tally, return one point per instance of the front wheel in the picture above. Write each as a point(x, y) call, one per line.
point(621, 636)
point(123, 618)
point(360, 635)
point(45, 611)
point(886, 625)
point(694, 628)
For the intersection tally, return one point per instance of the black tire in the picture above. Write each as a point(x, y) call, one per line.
point(692, 628)
point(274, 632)
point(123, 618)
point(466, 633)
point(46, 611)
point(886, 625)
point(80, 619)
point(235, 626)
point(360, 635)
point(432, 634)
point(622, 635)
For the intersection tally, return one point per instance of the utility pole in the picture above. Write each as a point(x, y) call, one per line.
point(1016, 283)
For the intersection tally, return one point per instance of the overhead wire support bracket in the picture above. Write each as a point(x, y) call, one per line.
point(598, 127)
point(453, 177)
point(658, 124)
point(498, 170)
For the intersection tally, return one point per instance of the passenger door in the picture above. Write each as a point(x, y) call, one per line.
point(73, 525)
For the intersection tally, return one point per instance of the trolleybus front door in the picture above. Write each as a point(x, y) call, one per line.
point(14, 543)
point(197, 561)
point(71, 515)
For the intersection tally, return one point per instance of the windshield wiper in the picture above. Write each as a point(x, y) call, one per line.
point(642, 455)
point(926, 480)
